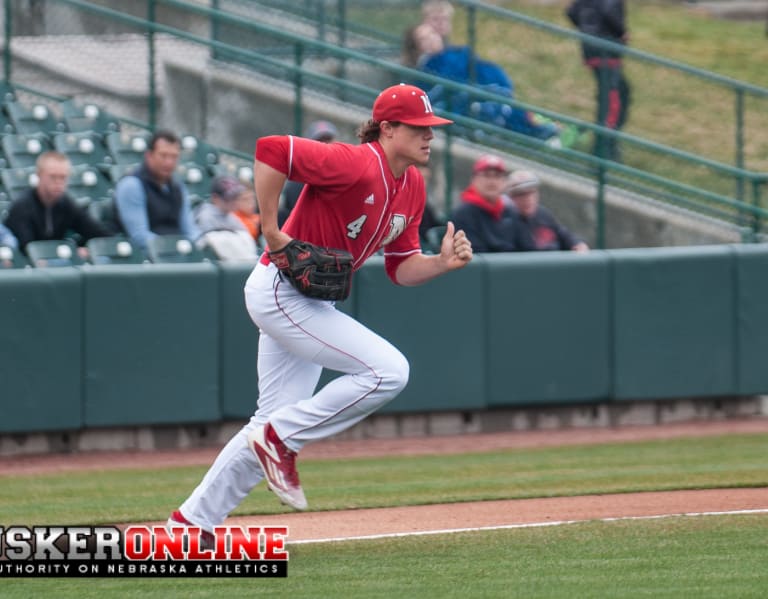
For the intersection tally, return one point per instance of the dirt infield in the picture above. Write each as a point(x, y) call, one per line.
point(336, 524)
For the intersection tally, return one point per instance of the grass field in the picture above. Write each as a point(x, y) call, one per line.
point(712, 556)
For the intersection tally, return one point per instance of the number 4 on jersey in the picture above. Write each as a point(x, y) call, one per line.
point(354, 228)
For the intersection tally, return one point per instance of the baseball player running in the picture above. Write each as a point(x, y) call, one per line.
point(357, 199)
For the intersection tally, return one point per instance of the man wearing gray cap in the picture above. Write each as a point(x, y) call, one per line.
point(220, 229)
point(536, 228)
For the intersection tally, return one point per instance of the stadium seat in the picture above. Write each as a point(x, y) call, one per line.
point(197, 151)
point(113, 250)
point(173, 249)
point(197, 180)
point(88, 117)
point(33, 118)
point(17, 180)
point(241, 170)
point(7, 92)
point(12, 258)
point(127, 148)
point(103, 211)
point(21, 150)
point(6, 126)
point(118, 171)
point(83, 147)
point(53, 253)
point(5, 204)
point(88, 184)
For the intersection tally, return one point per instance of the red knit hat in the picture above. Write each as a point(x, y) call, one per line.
point(406, 104)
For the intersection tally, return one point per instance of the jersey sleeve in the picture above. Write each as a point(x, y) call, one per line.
point(308, 161)
point(408, 242)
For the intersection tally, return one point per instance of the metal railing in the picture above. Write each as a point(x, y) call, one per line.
point(742, 208)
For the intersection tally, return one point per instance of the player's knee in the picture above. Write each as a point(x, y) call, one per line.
point(395, 375)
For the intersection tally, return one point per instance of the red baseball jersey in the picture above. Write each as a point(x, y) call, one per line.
point(351, 199)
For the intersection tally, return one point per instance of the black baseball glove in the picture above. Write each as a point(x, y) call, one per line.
point(317, 272)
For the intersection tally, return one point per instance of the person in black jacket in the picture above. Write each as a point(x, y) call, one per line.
point(536, 229)
point(47, 212)
point(605, 19)
point(483, 216)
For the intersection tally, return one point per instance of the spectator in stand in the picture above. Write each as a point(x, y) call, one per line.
point(536, 229)
point(47, 212)
point(425, 50)
point(247, 210)
point(7, 238)
point(605, 19)
point(152, 201)
point(439, 15)
point(322, 131)
point(485, 218)
point(220, 229)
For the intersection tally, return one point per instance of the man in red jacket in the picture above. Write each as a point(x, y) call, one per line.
point(488, 222)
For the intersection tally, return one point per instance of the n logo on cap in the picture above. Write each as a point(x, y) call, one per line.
point(427, 103)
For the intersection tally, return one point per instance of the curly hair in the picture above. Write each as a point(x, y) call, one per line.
point(369, 131)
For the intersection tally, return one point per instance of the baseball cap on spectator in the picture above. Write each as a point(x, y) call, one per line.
point(322, 131)
point(227, 187)
point(489, 162)
point(406, 104)
point(521, 182)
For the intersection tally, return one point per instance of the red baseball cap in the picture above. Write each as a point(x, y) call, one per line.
point(489, 162)
point(406, 104)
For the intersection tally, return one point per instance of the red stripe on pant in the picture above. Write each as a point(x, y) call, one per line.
point(614, 109)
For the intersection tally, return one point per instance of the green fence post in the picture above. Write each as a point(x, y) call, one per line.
point(600, 216)
point(7, 45)
point(343, 38)
point(152, 103)
point(757, 223)
point(297, 106)
point(740, 142)
point(214, 27)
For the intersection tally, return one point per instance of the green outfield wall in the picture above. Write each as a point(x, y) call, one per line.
point(161, 344)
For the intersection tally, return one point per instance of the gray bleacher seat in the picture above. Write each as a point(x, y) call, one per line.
point(53, 253)
point(197, 179)
point(113, 250)
point(126, 147)
point(88, 184)
point(12, 258)
point(88, 116)
point(173, 249)
point(17, 180)
point(33, 117)
point(83, 147)
point(22, 149)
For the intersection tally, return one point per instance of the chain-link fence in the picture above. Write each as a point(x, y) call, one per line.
point(229, 71)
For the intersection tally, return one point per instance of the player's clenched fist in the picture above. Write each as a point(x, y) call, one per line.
point(456, 248)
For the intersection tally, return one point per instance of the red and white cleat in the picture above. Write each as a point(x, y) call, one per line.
point(177, 520)
point(279, 465)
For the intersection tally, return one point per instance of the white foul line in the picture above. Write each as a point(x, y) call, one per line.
point(512, 526)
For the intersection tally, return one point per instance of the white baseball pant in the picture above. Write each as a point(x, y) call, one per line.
point(298, 338)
